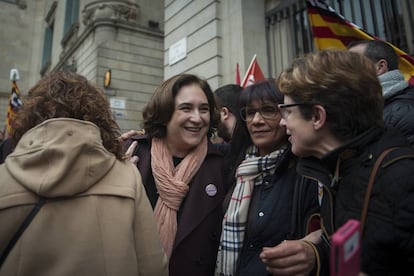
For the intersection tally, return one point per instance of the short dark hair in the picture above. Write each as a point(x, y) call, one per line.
point(229, 96)
point(265, 90)
point(378, 49)
point(159, 110)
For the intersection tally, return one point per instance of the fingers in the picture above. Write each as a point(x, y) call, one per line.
point(284, 249)
point(129, 153)
point(134, 159)
point(125, 136)
point(288, 258)
point(131, 149)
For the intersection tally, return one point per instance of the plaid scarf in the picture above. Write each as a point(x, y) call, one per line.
point(250, 173)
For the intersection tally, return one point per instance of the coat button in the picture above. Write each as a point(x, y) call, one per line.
point(214, 236)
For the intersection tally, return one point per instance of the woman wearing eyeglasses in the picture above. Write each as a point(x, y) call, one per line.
point(333, 113)
point(269, 203)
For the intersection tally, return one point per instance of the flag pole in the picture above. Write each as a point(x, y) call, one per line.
point(237, 74)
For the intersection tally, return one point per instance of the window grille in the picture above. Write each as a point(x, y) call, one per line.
point(289, 35)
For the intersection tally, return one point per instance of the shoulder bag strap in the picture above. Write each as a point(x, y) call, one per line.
point(21, 229)
point(369, 188)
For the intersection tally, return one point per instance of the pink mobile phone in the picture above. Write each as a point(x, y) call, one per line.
point(345, 250)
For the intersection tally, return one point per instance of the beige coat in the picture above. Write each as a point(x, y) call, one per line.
point(97, 219)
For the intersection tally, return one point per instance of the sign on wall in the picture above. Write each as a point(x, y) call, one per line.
point(177, 51)
point(117, 103)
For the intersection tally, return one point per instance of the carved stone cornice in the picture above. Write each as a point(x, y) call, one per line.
point(119, 10)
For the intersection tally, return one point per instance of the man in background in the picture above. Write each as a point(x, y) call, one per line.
point(398, 95)
point(227, 97)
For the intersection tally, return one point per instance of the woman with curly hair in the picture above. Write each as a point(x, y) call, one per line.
point(93, 216)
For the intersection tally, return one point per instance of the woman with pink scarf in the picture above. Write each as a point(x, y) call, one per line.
point(183, 172)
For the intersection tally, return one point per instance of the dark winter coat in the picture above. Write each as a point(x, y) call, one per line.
point(388, 240)
point(280, 210)
point(399, 112)
point(5, 149)
point(200, 215)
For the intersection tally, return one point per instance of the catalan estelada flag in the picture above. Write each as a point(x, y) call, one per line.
point(15, 103)
point(331, 30)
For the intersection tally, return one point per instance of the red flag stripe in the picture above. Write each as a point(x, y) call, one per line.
point(408, 58)
point(326, 32)
point(328, 16)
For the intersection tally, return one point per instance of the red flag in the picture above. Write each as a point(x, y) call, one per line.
point(253, 74)
point(237, 74)
point(15, 103)
point(332, 30)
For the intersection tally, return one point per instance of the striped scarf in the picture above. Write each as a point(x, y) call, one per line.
point(250, 173)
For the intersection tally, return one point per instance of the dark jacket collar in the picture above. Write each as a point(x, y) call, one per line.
point(372, 142)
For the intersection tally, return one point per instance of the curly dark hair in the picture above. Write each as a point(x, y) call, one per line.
point(160, 108)
point(64, 94)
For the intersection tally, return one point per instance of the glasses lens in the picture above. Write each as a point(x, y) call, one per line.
point(284, 109)
point(268, 112)
point(250, 113)
point(283, 112)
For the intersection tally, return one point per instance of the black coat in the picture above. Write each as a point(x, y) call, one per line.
point(5, 149)
point(200, 216)
point(280, 209)
point(388, 240)
point(399, 112)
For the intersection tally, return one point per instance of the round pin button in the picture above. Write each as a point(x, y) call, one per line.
point(211, 189)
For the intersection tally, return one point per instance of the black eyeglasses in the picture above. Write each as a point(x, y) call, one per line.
point(285, 112)
point(267, 112)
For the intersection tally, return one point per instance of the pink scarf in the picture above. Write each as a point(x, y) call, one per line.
point(172, 185)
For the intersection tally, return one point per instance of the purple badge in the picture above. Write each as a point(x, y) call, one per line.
point(211, 189)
